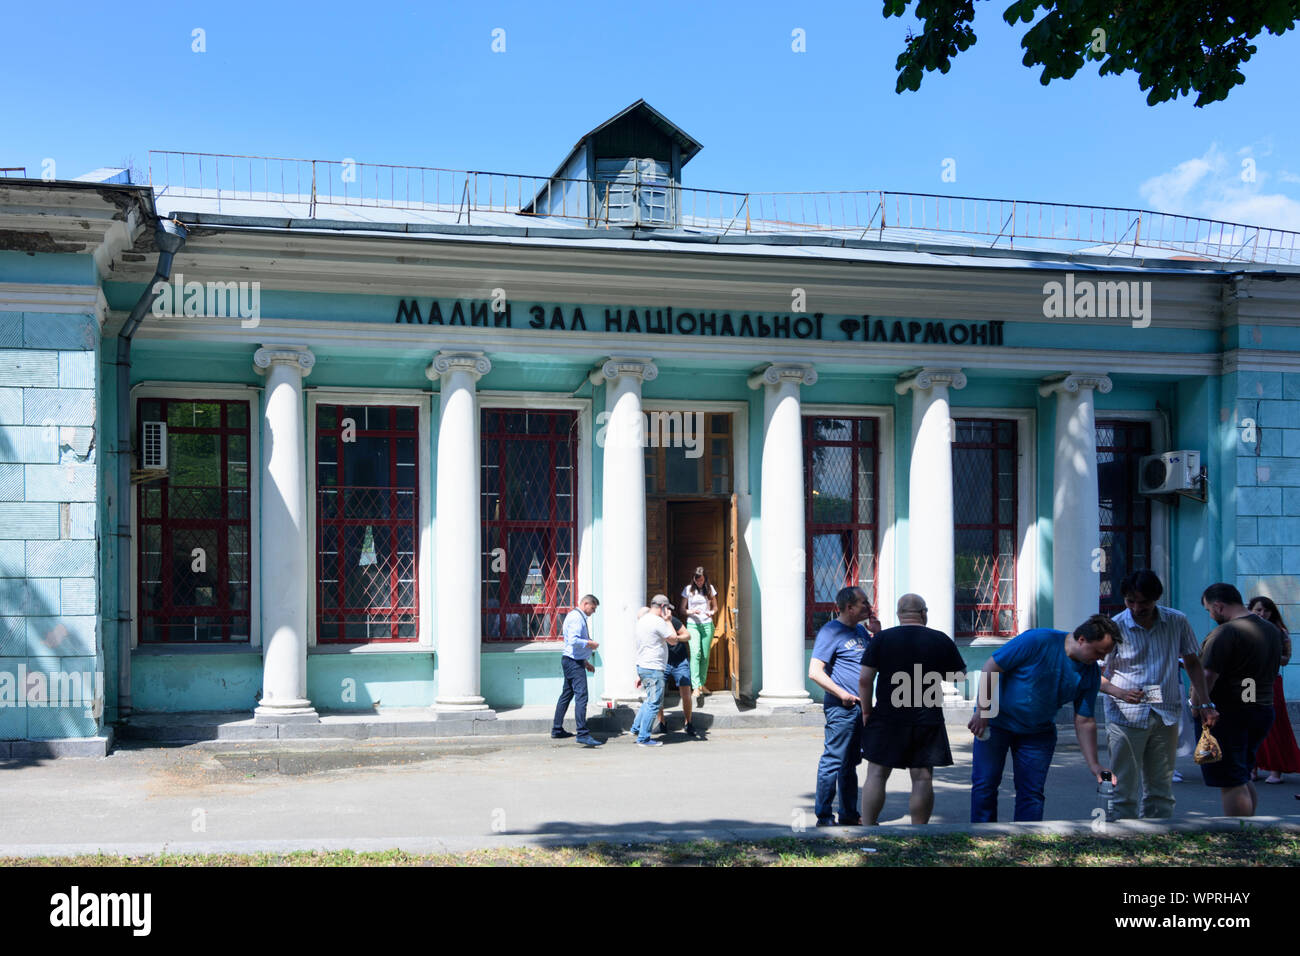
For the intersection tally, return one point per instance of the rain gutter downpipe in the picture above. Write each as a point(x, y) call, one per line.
point(169, 237)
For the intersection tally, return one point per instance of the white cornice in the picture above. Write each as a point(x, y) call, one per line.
point(38, 297)
point(99, 220)
point(1260, 360)
point(698, 279)
point(358, 337)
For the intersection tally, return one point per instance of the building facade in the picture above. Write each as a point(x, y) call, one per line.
point(317, 451)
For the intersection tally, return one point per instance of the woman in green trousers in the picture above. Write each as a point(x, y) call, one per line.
point(700, 600)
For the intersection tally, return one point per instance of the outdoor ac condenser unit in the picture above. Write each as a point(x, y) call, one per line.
point(153, 446)
point(1171, 473)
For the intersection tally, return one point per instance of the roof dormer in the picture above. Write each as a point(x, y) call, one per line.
point(627, 171)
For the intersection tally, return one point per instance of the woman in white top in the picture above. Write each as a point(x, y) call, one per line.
point(700, 601)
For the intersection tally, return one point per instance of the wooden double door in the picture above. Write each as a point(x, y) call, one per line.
point(683, 533)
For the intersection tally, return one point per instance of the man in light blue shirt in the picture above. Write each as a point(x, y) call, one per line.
point(1144, 697)
point(576, 664)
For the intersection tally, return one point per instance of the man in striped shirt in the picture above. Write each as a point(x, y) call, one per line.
point(1144, 697)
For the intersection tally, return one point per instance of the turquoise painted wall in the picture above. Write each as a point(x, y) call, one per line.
point(49, 267)
point(1201, 537)
point(195, 680)
point(362, 681)
point(50, 442)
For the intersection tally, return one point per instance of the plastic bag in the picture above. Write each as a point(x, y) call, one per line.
point(1207, 748)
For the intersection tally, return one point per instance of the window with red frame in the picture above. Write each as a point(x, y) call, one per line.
point(529, 468)
point(840, 458)
point(1124, 513)
point(367, 523)
point(984, 465)
point(193, 525)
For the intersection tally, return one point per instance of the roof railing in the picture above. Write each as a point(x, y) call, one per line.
point(306, 186)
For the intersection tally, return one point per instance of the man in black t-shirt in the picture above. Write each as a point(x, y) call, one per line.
point(1241, 659)
point(904, 728)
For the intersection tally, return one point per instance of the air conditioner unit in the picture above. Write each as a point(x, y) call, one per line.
point(1171, 473)
point(153, 446)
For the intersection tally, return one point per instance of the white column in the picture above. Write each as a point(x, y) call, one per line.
point(1076, 523)
point(283, 546)
point(458, 581)
point(782, 561)
point(623, 537)
point(930, 549)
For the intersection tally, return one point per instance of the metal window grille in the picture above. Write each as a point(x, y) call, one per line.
point(192, 545)
point(1125, 515)
point(984, 467)
point(529, 467)
point(841, 475)
point(367, 523)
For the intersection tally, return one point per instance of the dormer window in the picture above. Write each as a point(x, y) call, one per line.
point(635, 192)
point(626, 172)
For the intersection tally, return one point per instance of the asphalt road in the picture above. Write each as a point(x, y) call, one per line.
point(457, 795)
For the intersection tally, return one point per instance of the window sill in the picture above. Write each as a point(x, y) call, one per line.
point(981, 641)
point(412, 648)
point(167, 650)
point(522, 647)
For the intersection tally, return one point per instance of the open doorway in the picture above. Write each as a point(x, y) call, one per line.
point(691, 521)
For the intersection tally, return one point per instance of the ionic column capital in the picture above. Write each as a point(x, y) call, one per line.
point(1073, 382)
point(475, 363)
point(642, 369)
point(922, 379)
point(780, 373)
point(295, 356)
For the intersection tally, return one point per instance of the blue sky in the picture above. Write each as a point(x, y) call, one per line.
point(91, 85)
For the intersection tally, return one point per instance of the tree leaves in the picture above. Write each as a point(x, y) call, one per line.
point(1175, 47)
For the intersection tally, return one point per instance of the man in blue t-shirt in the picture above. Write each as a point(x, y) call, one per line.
point(835, 667)
point(1022, 686)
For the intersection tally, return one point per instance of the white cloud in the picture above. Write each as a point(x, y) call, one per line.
point(1215, 186)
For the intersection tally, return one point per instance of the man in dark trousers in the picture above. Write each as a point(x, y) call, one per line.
point(836, 661)
point(1241, 659)
point(905, 729)
point(576, 662)
point(1022, 686)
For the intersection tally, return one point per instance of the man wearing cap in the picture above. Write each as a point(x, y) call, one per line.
point(654, 633)
point(576, 664)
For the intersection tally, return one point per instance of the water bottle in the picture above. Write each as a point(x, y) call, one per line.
point(1106, 790)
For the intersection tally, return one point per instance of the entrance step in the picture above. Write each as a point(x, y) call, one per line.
point(720, 712)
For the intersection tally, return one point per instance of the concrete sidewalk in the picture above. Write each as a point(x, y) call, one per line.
point(486, 791)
